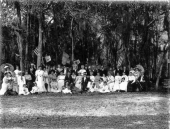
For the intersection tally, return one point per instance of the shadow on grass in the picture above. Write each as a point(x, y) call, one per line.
point(118, 122)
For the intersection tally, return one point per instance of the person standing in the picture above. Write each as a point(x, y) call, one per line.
point(110, 81)
point(22, 82)
point(40, 79)
point(29, 82)
point(84, 83)
point(32, 72)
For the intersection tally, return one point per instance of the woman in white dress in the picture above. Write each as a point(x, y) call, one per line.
point(60, 81)
point(5, 84)
point(110, 82)
point(124, 82)
point(17, 72)
point(78, 82)
point(91, 82)
point(40, 79)
point(21, 82)
point(117, 82)
point(53, 82)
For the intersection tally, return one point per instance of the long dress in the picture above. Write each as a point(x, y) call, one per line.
point(78, 82)
point(60, 82)
point(4, 86)
point(117, 83)
point(21, 81)
point(90, 83)
point(17, 74)
point(40, 80)
point(124, 83)
point(110, 83)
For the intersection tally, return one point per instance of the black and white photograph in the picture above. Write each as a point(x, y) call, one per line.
point(90, 64)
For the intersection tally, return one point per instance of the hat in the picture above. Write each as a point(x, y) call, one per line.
point(6, 67)
point(85, 73)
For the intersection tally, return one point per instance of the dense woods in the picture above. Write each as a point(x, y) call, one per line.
point(93, 32)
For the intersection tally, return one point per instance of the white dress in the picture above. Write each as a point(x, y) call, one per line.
point(66, 91)
point(117, 83)
point(90, 83)
point(16, 74)
point(34, 89)
point(40, 80)
point(110, 83)
point(21, 81)
point(123, 85)
point(78, 82)
point(82, 71)
point(60, 82)
point(4, 86)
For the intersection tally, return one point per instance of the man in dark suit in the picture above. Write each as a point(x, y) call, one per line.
point(125, 70)
point(84, 83)
point(119, 70)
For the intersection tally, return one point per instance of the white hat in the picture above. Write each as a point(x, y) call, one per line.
point(6, 66)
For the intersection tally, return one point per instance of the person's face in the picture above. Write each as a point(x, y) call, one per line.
point(59, 66)
point(104, 75)
point(98, 74)
point(17, 68)
point(40, 68)
point(26, 73)
point(68, 73)
point(82, 66)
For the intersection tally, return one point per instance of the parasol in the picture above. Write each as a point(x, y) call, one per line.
point(2, 67)
point(140, 67)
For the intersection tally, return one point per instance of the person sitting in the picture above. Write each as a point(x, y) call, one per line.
point(110, 82)
point(91, 81)
point(66, 89)
point(78, 82)
point(26, 92)
point(34, 89)
point(104, 87)
point(124, 82)
point(97, 78)
point(53, 82)
point(68, 80)
point(84, 83)
point(131, 82)
point(117, 82)
point(60, 81)
point(6, 88)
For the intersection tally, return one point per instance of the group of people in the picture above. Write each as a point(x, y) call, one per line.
point(70, 80)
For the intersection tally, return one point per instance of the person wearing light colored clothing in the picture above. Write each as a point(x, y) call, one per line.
point(117, 82)
point(110, 82)
point(124, 82)
point(40, 79)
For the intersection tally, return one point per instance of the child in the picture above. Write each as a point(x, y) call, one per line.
point(34, 88)
point(66, 89)
point(26, 92)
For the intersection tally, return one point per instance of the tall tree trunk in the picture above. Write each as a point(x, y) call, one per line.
point(167, 16)
point(19, 36)
point(27, 42)
point(0, 48)
point(72, 41)
point(39, 57)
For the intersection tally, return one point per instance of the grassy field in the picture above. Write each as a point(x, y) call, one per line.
point(115, 111)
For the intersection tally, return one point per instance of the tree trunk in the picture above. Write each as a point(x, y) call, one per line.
point(0, 50)
point(39, 57)
point(167, 16)
point(27, 42)
point(19, 36)
point(72, 41)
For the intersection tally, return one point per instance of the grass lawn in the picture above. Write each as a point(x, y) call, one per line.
point(115, 111)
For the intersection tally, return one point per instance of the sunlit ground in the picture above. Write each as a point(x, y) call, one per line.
point(116, 111)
